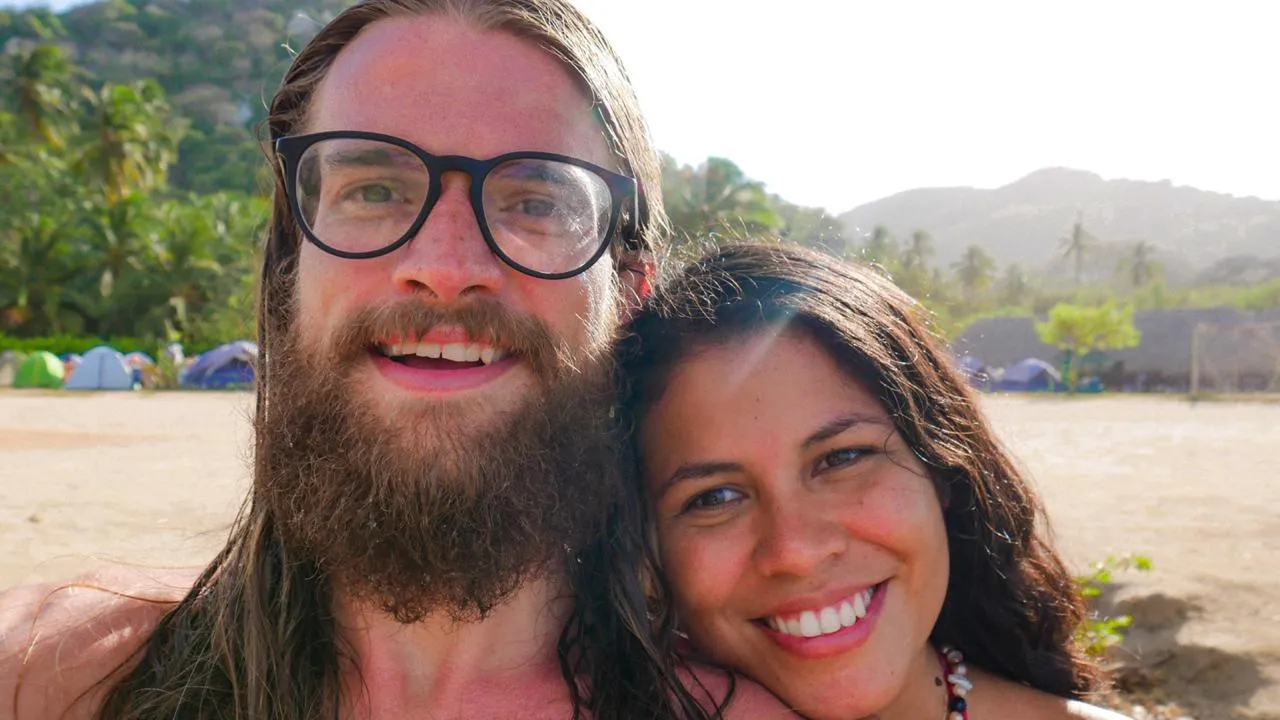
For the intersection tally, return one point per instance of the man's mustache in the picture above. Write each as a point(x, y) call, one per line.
point(484, 320)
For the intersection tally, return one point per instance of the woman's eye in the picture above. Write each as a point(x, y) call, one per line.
point(713, 499)
point(839, 458)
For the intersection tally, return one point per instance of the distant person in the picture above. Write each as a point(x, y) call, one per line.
point(836, 518)
point(435, 528)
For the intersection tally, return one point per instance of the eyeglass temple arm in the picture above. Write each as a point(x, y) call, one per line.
point(631, 228)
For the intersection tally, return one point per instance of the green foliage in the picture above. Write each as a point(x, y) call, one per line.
point(1081, 329)
point(78, 344)
point(715, 200)
point(1099, 632)
point(94, 243)
point(163, 375)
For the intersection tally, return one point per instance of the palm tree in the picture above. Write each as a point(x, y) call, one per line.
point(118, 249)
point(917, 254)
point(1014, 286)
point(42, 80)
point(133, 138)
point(974, 270)
point(35, 223)
point(913, 271)
point(881, 249)
point(714, 198)
point(1140, 264)
point(1077, 246)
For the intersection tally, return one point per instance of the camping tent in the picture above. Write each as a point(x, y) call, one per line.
point(1029, 375)
point(137, 360)
point(102, 368)
point(39, 370)
point(70, 361)
point(225, 365)
point(10, 361)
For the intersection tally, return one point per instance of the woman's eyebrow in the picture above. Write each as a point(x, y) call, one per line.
point(694, 471)
point(840, 424)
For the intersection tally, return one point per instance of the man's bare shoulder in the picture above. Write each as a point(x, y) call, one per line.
point(749, 701)
point(59, 640)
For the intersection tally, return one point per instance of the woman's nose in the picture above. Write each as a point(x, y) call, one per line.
point(797, 539)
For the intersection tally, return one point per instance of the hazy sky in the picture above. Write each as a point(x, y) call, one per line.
point(839, 103)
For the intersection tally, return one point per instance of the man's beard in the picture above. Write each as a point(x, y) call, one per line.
point(425, 511)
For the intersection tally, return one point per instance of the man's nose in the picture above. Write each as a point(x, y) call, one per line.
point(797, 539)
point(448, 258)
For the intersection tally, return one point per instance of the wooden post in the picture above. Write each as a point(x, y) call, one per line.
point(1195, 362)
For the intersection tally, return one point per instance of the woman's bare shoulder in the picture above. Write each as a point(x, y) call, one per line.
point(59, 640)
point(1004, 698)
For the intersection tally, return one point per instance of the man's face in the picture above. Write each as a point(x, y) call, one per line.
point(453, 90)
point(427, 483)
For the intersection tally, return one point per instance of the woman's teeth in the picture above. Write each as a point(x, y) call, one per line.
point(457, 352)
point(825, 621)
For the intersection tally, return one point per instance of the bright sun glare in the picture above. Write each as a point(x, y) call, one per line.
point(837, 104)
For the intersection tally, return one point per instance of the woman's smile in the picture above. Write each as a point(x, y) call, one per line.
point(827, 631)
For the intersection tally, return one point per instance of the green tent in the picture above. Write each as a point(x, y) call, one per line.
point(39, 370)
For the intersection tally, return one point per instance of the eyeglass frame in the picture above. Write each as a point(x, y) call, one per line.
point(624, 191)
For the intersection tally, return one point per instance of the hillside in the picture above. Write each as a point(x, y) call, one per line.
point(219, 62)
point(1023, 221)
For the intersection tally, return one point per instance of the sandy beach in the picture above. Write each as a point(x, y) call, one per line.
point(153, 479)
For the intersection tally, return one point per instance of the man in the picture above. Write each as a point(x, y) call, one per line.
point(436, 526)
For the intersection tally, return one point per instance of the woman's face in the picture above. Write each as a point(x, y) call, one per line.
point(803, 538)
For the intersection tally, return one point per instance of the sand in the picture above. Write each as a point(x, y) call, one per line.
point(154, 480)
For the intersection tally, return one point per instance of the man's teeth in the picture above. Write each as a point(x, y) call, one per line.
point(827, 620)
point(456, 352)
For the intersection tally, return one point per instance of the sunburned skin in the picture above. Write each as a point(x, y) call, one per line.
point(60, 642)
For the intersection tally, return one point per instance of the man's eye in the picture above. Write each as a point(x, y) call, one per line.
point(537, 208)
point(713, 499)
point(839, 458)
point(375, 194)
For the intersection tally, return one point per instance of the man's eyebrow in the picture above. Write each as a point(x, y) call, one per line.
point(367, 157)
point(695, 471)
point(537, 171)
point(840, 424)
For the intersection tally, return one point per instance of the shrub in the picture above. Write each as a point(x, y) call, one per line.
point(1100, 632)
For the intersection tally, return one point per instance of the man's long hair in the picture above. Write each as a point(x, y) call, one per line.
point(255, 637)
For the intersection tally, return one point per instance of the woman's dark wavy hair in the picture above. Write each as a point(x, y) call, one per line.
point(1011, 605)
point(255, 638)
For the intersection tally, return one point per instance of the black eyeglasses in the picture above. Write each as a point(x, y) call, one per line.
point(360, 195)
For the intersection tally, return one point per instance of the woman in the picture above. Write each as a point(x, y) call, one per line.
point(836, 519)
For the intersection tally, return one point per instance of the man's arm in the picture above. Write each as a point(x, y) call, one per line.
point(59, 641)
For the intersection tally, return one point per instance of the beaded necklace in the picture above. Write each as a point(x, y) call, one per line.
point(955, 674)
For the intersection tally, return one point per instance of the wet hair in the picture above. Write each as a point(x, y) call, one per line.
point(1011, 605)
point(255, 637)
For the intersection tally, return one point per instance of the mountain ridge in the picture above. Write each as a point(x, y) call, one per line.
point(1023, 221)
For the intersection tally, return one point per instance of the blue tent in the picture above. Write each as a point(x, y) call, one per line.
point(1030, 375)
point(102, 368)
point(223, 366)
